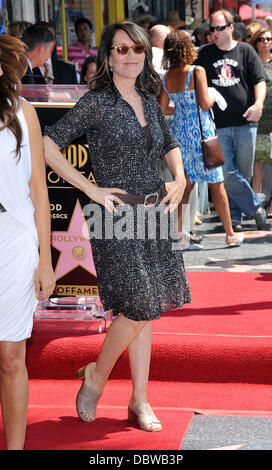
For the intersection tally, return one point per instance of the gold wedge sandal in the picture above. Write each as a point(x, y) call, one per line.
point(87, 398)
point(145, 417)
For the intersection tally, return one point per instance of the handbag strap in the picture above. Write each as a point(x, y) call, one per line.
point(197, 105)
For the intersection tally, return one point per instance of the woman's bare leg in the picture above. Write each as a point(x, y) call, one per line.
point(185, 199)
point(139, 356)
point(257, 179)
point(120, 334)
point(14, 392)
point(221, 204)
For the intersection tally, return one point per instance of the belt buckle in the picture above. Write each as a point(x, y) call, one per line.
point(150, 195)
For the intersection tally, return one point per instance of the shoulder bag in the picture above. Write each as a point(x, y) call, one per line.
point(211, 148)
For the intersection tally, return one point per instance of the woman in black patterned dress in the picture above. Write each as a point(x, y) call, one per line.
point(140, 273)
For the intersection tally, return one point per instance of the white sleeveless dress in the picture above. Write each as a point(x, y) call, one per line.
point(18, 238)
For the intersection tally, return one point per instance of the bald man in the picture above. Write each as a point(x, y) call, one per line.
point(157, 35)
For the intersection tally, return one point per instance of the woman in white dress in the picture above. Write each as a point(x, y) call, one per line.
point(26, 274)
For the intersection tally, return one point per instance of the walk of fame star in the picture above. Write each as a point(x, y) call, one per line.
point(74, 245)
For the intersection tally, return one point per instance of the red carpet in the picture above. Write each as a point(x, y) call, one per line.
point(53, 423)
point(223, 336)
point(212, 356)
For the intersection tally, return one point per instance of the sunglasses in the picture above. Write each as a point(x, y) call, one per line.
point(218, 28)
point(264, 40)
point(123, 49)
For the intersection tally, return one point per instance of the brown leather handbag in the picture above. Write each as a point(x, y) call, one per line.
point(211, 148)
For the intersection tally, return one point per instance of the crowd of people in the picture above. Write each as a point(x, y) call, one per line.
point(240, 86)
point(251, 182)
point(44, 65)
point(136, 77)
point(258, 172)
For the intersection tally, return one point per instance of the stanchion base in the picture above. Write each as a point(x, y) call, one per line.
point(74, 308)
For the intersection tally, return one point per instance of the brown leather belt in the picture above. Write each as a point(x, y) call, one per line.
point(2, 209)
point(148, 200)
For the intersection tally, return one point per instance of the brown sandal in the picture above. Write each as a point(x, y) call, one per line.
point(87, 398)
point(145, 417)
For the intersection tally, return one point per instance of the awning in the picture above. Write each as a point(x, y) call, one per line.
point(245, 11)
point(260, 2)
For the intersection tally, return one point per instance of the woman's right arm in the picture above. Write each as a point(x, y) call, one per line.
point(205, 101)
point(55, 159)
point(87, 111)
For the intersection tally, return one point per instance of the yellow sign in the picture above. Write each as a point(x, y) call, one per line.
point(87, 291)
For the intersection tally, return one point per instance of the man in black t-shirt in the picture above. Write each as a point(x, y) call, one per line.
point(234, 69)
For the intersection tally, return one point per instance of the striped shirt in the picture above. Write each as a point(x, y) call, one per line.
point(78, 54)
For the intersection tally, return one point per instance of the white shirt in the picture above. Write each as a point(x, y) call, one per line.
point(157, 55)
point(15, 175)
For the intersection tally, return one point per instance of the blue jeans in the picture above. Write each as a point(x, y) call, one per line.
point(238, 146)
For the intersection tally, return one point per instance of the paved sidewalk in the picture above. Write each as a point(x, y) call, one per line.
point(215, 432)
point(254, 255)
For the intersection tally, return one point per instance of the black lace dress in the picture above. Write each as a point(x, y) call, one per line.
point(140, 270)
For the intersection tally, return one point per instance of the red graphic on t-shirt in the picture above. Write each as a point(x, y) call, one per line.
point(225, 72)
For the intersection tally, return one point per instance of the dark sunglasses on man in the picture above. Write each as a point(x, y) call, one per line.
point(218, 28)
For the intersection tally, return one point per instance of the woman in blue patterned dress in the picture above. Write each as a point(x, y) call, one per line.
point(178, 86)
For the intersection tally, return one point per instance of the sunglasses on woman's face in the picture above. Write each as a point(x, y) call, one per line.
point(264, 40)
point(124, 49)
point(218, 28)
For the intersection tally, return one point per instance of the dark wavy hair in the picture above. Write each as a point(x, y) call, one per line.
point(148, 80)
point(178, 50)
point(14, 66)
point(90, 60)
